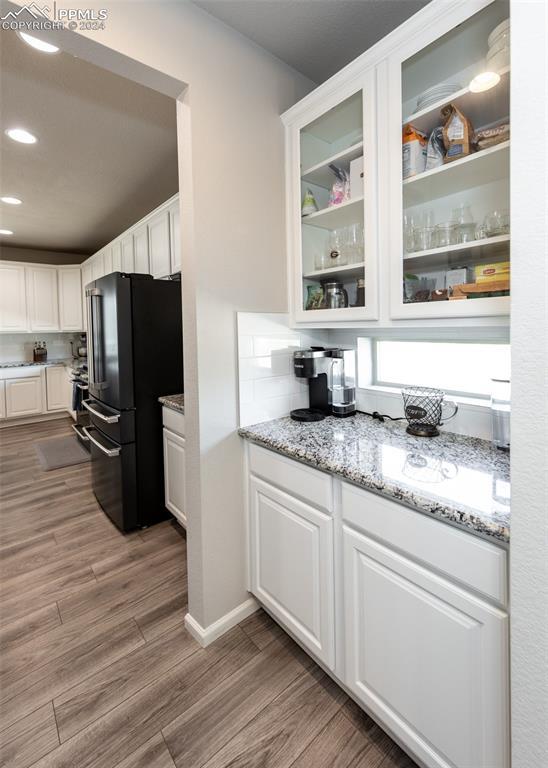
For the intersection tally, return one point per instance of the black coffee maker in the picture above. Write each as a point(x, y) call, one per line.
point(331, 375)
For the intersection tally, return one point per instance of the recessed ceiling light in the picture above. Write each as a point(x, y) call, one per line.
point(11, 200)
point(22, 136)
point(6, 232)
point(40, 45)
point(484, 81)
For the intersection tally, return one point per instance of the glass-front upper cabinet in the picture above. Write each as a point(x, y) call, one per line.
point(450, 164)
point(332, 238)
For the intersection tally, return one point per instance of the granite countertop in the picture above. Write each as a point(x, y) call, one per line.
point(461, 480)
point(30, 363)
point(175, 402)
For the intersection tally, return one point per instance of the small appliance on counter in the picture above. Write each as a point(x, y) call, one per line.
point(423, 408)
point(331, 375)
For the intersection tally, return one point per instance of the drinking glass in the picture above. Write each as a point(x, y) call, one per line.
point(497, 223)
point(423, 238)
point(445, 234)
point(336, 256)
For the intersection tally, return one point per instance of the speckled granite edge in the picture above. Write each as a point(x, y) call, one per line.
point(175, 402)
point(32, 364)
point(461, 516)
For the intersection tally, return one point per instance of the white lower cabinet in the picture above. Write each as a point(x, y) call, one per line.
point(56, 388)
point(425, 657)
point(292, 566)
point(174, 474)
point(24, 397)
point(421, 632)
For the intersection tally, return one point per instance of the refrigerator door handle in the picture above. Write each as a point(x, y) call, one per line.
point(111, 452)
point(95, 355)
point(109, 419)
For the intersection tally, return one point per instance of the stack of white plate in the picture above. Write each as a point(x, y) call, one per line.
point(498, 41)
point(439, 92)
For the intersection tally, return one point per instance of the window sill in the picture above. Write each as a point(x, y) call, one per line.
point(461, 400)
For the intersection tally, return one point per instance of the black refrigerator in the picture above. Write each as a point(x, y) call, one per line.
point(135, 355)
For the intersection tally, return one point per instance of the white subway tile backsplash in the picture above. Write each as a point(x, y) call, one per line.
point(269, 345)
point(263, 367)
point(277, 386)
point(268, 387)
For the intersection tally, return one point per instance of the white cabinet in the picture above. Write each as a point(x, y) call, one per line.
point(175, 237)
point(43, 298)
point(98, 266)
point(56, 388)
point(116, 251)
point(2, 399)
point(13, 298)
point(140, 250)
point(126, 246)
point(425, 657)
point(158, 244)
point(174, 475)
point(24, 396)
point(70, 298)
point(292, 566)
point(107, 260)
point(87, 277)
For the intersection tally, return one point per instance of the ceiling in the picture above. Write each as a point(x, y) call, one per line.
point(106, 153)
point(315, 37)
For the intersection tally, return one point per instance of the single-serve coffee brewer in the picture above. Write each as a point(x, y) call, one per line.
point(331, 375)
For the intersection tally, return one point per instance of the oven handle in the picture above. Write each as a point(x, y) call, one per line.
point(82, 386)
point(107, 451)
point(108, 419)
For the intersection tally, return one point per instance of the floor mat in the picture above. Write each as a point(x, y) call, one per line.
point(57, 452)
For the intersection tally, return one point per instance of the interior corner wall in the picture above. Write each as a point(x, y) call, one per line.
point(529, 421)
point(233, 233)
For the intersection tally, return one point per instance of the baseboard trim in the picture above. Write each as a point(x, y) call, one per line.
point(16, 421)
point(205, 636)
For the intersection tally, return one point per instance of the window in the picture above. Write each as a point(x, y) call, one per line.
point(456, 367)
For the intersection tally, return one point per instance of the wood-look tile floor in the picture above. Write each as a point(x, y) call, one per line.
point(97, 670)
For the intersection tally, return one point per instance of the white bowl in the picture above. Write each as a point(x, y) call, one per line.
point(500, 29)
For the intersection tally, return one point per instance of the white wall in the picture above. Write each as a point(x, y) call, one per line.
point(529, 328)
point(231, 169)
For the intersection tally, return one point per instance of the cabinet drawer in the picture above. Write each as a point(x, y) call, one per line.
point(173, 420)
point(461, 556)
point(309, 484)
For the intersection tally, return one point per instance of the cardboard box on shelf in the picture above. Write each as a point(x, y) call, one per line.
point(485, 273)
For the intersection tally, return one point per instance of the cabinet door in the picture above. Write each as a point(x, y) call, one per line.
point(56, 389)
point(292, 566)
point(426, 658)
point(24, 396)
point(140, 250)
point(174, 475)
point(13, 299)
point(98, 266)
point(2, 399)
point(334, 241)
point(158, 244)
point(70, 298)
point(107, 260)
point(116, 251)
point(126, 246)
point(175, 237)
point(438, 226)
point(43, 298)
point(87, 277)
